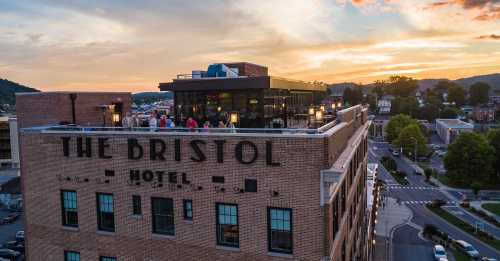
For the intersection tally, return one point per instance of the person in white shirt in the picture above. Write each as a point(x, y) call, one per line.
point(153, 122)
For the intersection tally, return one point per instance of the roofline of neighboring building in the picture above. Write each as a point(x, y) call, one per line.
point(68, 92)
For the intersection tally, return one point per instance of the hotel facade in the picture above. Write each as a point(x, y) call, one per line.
point(94, 193)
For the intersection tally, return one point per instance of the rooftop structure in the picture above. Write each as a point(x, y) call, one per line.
point(244, 90)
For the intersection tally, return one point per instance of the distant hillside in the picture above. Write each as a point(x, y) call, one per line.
point(8, 90)
point(492, 79)
point(149, 97)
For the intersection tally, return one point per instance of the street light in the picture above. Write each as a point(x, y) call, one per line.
point(413, 138)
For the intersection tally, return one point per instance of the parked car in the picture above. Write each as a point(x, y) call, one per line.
point(488, 259)
point(395, 153)
point(468, 249)
point(20, 235)
point(10, 218)
point(4, 259)
point(418, 172)
point(439, 252)
point(7, 253)
point(435, 147)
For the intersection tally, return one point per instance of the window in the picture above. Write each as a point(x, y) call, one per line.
point(136, 205)
point(107, 258)
point(69, 208)
point(188, 209)
point(227, 225)
point(280, 237)
point(71, 256)
point(105, 213)
point(163, 216)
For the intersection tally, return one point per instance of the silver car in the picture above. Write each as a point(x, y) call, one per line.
point(468, 249)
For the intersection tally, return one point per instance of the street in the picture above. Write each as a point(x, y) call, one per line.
point(406, 244)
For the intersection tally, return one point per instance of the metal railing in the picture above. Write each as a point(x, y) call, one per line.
point(176, 130)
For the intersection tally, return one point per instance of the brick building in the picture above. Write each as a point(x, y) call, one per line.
point(121, 194)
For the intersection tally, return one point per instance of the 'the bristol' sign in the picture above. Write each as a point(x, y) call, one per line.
point(158, 150)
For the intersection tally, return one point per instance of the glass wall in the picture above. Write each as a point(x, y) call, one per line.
point(259, 108)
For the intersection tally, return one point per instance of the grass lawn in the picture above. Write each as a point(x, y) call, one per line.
point(465, 227)
point(459, 255)
point(492, 207)
point(399, 178)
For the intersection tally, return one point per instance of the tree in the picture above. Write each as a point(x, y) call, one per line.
point(456, 94)
point(405, 105)
point(431, 109)
point(475, 186)
point(396, 124)
point(353, 96)
point(449, 113)
point(402, 86)
point(379, 88)
point(479, 93)
point(494, 141)
point(470, 158)
point(412, 136)
point(428, 174)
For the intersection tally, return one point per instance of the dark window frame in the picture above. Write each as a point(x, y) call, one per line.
point(100, 218)
point(188, 213)
point(107, 258)
point(155, 229)
point(218, 226)
point(70, 252)
point(136, 205)
point(270, 230)
point(64, 214)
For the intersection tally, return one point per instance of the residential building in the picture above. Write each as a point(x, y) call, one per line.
point(449, 129)
point(484, 114)
point(206, 194)
point(384, 104)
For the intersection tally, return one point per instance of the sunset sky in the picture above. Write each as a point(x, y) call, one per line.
point(133, 45)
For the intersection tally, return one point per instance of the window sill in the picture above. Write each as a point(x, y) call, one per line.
point(187, 221)
point(136, 216)
point(276, 254)
point(72, 229)
point(105, 233)
point(228, 248)
point(161, 236)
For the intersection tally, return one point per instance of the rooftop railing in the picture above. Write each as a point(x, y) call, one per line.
point(178, 130)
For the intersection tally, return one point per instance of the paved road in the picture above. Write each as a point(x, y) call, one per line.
point(415, 196)
point(471, 219)
point(8, 231)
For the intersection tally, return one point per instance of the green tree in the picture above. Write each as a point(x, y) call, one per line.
point(456, 94)
point(431, 109)
point(353, 96)
point(479, 93)
point(379, 88)
point(402, 86)
point(475, 186)
point(396, 124)
point(470, 158)
point(405, 105)
point(409, 137)
point(449, 113)
point(494, 141)
point(428, 174)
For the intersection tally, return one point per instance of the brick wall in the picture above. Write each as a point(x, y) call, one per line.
point(35, 109)
point(45, 169)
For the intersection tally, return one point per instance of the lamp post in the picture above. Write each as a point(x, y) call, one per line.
point(416, 142)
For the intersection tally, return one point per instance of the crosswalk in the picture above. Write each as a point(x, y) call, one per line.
point(425, 202)
point(412, 187)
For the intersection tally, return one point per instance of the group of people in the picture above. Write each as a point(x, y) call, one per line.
point(131, 120)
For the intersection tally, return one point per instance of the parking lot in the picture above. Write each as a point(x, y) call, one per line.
point(8, 231)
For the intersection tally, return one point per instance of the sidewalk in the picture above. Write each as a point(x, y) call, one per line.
point(477, 205)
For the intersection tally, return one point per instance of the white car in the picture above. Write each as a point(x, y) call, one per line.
point(488, 259)
point(395, 153)
point(439, 253)
point(468, 249)
point(20, 235)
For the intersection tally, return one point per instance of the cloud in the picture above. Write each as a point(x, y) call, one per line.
point(490, 37)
